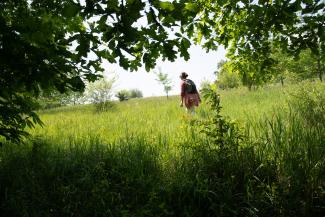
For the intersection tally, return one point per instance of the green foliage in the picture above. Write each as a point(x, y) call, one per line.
point(222, 133)
point(53, 99)
point(50, 101)
point(100, 91)
point(205, 84)
point(290, 69)
point(308, 103)
point(293, 140)
point(275, 169)
point(279, 67)
point(16, 114)
point(135, 93)
point(249, 30)
point(45, 44)
point(61, 189)
point(248, 27)
point(123, 95)
point(104, 106)
point(72, 98)
point(227, 77)
point(254, 71)
point(35, 42)
point(164, 80)
point(143, 42)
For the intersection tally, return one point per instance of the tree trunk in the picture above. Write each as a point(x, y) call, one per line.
point(282, 81)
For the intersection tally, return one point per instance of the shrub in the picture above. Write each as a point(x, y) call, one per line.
point(135, 93)
point(104, 106)
point(123, 95)
point(100, 91)
point(309, 103)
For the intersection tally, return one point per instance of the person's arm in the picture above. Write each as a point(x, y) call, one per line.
point(182, 93)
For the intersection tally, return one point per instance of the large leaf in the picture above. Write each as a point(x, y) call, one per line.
point(168, 6)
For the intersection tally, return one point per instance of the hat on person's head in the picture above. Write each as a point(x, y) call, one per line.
point(183, 75)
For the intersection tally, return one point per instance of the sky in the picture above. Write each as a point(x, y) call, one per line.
point(200, 67)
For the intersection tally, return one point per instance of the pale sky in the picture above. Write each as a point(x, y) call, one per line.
point(201, 66)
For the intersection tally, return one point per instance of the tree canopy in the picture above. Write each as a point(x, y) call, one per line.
point(49, 44)
point(59, 45)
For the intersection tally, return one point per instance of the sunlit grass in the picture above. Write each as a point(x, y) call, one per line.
point(144, 158)
point(152, 117)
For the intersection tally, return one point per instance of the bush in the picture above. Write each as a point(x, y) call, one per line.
point(309, 103)
point(135, 93)
point(123, 95)
point(104, 106)
point(100, 91)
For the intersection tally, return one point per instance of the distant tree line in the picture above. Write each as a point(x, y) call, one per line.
point(282, 68)
point(124, 94)
point(100, 93)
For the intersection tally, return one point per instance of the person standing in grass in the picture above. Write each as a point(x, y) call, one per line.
point(189, 95)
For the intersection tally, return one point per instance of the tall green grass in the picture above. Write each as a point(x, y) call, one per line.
point(147, 158)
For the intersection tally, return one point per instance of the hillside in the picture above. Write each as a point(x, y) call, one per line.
point(151, 116)
point(147, 157)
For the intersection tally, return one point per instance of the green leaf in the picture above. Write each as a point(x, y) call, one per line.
point(190, 30)
point(185, 45)
point(166, 6)
point(193, 7)
point(71, 10)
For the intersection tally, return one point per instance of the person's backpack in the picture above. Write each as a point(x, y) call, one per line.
point(190, 86)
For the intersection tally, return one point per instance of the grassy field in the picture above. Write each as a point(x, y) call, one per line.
point(145, 157)
point(151, 117)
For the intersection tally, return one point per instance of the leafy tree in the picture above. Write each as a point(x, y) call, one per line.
point(135, 93)
point(100, 91)
point(45, 44)
point(52, 99)
point(253, 72)
point(311, 66)
point(165, 81)
point(282, 67)
point(249, 29)
point(227, 77)
point(123, 95)
point(72, 98)
point(35, 56)
point(286, 67)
